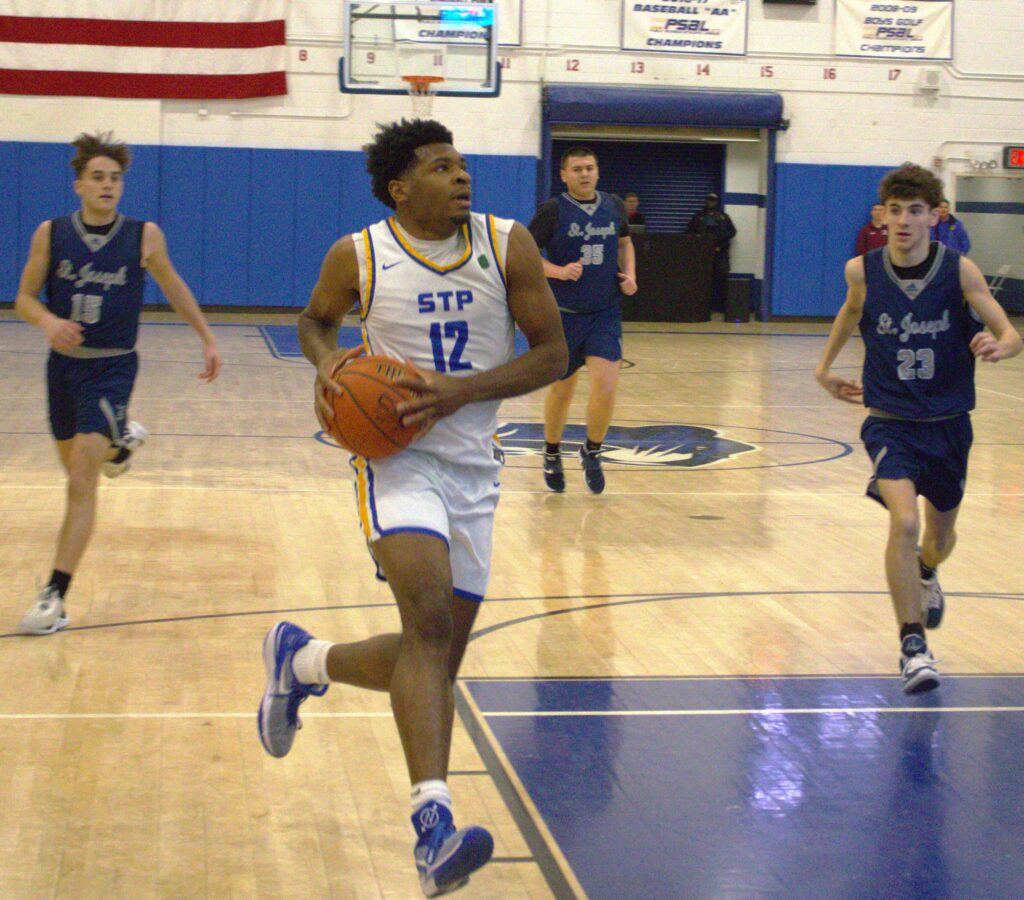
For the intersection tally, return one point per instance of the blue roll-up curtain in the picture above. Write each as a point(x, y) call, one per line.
point(602, 105)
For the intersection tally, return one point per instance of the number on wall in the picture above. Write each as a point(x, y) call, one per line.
point(572, 65)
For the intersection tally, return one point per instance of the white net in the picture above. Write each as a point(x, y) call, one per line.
point(422, 89)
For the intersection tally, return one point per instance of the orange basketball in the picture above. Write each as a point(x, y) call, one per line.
point(365, 420)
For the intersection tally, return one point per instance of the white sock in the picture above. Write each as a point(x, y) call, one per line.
point(310, 663)
point(426, 791)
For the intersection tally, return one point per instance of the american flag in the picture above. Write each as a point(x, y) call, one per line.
point(160, 49)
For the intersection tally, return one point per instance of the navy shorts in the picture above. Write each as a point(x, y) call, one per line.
point(592, 334)
point(931, 454)
point(89, 395)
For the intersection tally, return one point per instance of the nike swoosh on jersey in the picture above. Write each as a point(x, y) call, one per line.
point(387, 266)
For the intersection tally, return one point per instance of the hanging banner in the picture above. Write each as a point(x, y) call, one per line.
point(687, 26)
point(446, 22)
point(900, 29)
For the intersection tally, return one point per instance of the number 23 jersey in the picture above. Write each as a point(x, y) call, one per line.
point(444, 306)
point(917, 333)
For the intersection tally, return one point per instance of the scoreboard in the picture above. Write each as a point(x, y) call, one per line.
point(1013, 157)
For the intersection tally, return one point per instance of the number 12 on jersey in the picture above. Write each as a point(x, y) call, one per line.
point(458, 332)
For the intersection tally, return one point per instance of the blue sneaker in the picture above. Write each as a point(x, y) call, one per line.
point(279, 708)
point(554, 475)
point(445, 858)
point(592, 472)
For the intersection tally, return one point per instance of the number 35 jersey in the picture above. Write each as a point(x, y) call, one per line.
point(97, 279)
point(444, 306)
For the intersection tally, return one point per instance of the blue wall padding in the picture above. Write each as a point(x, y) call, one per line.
point(818, 212)
point(245, 227)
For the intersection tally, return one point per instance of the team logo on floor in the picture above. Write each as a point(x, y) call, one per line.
point(674, 446)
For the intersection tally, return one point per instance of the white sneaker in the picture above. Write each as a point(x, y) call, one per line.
point(135, 436)
point(917, 666)
point(46, 615)
point(933, 601)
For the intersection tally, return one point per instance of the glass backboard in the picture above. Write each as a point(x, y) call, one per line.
point(387, 43)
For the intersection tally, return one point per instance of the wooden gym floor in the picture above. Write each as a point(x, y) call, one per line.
point(732, 558)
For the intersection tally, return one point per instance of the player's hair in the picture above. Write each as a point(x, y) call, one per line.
point(89, 146)
point(630, 194)
point(911, 182)
point(577, 151)
point(393, 151)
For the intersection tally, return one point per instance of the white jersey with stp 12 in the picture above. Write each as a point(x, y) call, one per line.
point(444, 306)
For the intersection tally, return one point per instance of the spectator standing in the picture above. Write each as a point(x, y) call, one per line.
point(632, 202)
point(949, 230)
point(712, 221)
point(875, 234)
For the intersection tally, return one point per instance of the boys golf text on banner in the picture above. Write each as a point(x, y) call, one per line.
point(900, 29)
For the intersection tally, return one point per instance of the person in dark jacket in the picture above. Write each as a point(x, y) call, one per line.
point(712, 221)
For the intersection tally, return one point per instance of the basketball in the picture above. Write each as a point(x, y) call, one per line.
point(365, 420)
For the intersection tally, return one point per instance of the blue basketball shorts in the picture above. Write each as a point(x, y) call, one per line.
point(414, 491)
point(933, 455)
point(88, 396)
point(592, 334)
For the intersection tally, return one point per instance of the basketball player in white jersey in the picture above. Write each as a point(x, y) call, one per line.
point(444, 288)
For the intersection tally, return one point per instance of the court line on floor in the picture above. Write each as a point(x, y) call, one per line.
point(346, 491)
point(387, 714)
point(611, 600)
point(798, 711)
point(538, 714)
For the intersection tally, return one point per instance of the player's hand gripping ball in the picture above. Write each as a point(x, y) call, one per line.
point(365, 420)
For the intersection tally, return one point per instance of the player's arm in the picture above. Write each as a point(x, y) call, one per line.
point(334, 294)
point(626, 253)
point(1004, 342)
point(61, 334)
point(847, 319)
point(627, 266)
point(157, 261)
point(533, 308)
point(542, 229)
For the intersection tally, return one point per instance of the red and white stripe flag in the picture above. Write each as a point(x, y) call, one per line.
point(160, 49)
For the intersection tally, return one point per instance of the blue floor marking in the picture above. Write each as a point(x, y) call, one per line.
point(283, 340)
point(875, 802)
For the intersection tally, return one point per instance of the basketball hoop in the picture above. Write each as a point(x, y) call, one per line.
point(422, 89)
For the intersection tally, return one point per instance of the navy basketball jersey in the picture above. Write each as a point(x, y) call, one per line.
point(917, 333)
point(589, 234)
point(97, 279)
